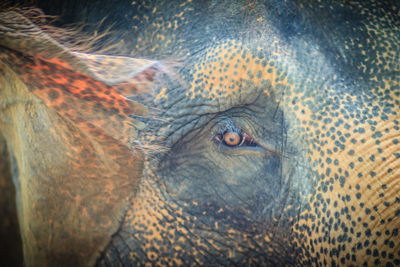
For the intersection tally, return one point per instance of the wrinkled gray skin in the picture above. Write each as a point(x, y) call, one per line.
point(311, 189)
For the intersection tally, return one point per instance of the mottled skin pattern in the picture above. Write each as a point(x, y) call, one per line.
point(311, 88)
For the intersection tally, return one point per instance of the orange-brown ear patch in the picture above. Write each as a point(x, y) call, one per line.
point(86, 88)
point(93, 105)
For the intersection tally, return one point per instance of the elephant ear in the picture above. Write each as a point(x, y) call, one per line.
point(88, 89)
point(79, 171)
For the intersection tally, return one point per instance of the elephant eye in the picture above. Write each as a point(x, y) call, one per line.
point(235, 139)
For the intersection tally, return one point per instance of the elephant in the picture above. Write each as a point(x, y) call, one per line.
point(216, 133)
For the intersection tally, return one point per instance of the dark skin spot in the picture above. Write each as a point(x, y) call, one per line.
point(53, 95)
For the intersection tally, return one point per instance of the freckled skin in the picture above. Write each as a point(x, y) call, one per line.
point(315, 84)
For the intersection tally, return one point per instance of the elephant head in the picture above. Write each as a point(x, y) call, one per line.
point(245, 133)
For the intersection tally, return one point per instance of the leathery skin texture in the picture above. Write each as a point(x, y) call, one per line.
point(222, 133)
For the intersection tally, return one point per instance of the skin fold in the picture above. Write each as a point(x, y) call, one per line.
point(223, 133)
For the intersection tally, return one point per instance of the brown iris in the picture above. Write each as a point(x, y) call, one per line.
point(232, 138)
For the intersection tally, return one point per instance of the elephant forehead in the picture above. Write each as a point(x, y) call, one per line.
point(230, 69)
